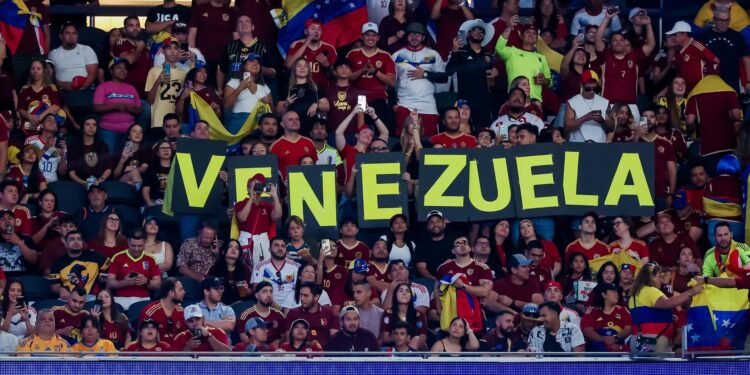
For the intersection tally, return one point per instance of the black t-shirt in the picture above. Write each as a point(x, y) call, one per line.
point(551, 345)
point(306, 96)
point(156, 178)
point(161, 13)
point(434, 253)
point(235, 53)
point(729, 47)
point(89, 160)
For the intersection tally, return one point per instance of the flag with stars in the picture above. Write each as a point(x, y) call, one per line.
point(342, 20)
point(717, 319)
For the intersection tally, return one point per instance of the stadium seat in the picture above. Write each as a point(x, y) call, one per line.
point(130, 217)
point(47, 304)
point(120, 193)
point(94, 38)
point(71, 196)
point(445, 100)
point(134, 311)
point(36, 288)
point(241, 306)
point(192, 288)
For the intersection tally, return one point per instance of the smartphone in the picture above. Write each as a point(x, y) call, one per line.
point(643, 121)
point(20, 301)
point(99, 302)
point(362, 102)
point(295, 90)
point(461, 36)
point(580, 37)
point(128, 146)
point(184, 47)
point(198, 334)
point(167, 69)
point(612, 9)
point(188, 85)
point(246, 75)
point(132, 275)
point(325, 247)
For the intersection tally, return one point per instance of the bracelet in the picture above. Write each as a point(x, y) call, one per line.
point(376, 119)
point(705, 279)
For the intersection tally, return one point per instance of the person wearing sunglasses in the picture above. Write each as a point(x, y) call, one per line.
point(477, 273)
point(216, 314)
point(585, 116)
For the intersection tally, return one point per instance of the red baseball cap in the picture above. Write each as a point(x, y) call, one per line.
point(77, 82)
point(363, 127)
point(589, 76)
point(258, 177)
point(552, 284)
point(313, 21)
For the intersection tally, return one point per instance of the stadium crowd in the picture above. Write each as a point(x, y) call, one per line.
point(110, 272)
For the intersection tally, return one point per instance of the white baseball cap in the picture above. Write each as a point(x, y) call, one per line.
point(370, 26)
point(635, 11)
point(680, 27)
point(193, 311)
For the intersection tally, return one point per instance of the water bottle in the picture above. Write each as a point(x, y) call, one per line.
point(90, 181)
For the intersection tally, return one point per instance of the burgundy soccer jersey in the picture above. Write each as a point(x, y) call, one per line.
point(319, 72)
point(369, 83)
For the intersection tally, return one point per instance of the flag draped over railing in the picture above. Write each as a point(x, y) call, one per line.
point(717, 320)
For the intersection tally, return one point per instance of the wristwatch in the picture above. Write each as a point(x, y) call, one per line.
point(424, 75)
point(705, 279)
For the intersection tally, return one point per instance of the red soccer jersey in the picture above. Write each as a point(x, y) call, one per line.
point(65, 318)
point(114, 332)
point(160, 346)
point(380, 274)
point(368, 83)
point(169, 326)
point(321, 322)
point(620, 76)
point(663, 155)
point(274, 319)
point(28, 99)
point(258, 220)
point(551, 254)
point(215, 26)
point(123, 264)
point(724, 188)
point(666, 254)
point(182, 339)
point(607, 324)
point(319, 73)
point(474, 271)
point(523, 292)
point(541, 274)
point(715, 126)
point(333, 283)
point(309, 346)
point(447, 141)
point(638, 246)
point(693, 61)
point(347, 255)
point(23, 219)
point(419, 327)
point(683, 224)
point(290, 152)
point(598, 250)
point(138, 72)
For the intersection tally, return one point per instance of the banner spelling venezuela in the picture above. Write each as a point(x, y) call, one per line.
point(464, 184)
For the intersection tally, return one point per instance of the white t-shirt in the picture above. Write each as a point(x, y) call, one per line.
point(568, 336)
point(247, 101)
point(400, 253)
point(49, 161)
point(377, 10)
point(500, 126)
point(420, 292)
point(290, 303)
point(589, 130)
point(418, 93)
point(184, 65)
point(582, 19)
point(283, 280)
point(72, 63)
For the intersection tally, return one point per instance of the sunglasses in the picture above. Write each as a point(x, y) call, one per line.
point(460, 243)
point(379, 149)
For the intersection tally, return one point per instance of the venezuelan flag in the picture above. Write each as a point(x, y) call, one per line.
point(457, 302)
point(618, 259)
point(201, 110)
point(342, 20)
point(717, 319)
point(13, 17)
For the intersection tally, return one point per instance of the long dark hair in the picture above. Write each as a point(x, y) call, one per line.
point(291, 339)
point(587, 274)
point(411, 312)
point(552, 27)
point(508, 247)
point(220, 269)
point(390, 238)
point(115, 315)
point(299, 282)
point(599, 277)
point(6, 298)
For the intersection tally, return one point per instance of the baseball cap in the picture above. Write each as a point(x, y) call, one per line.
point(370, 26)
point(260, 177)
point(530, 310)
point(680, 200)
point(603, 287)
point(628, 266)
point(149, 322)
point(261, 285)
point(434, 213)
point(589, 76)
point(119, 60)
point(680, 27)
point(313, 21)
point(552, 284)
point(7, 212)
point(193, 311)
point(97, 187)
point(179, 27)
point(303, 321)
point(416, 27)
point(252, 56)
point(341, 61)
point(347, 309)
point(255, 322)
point(169, 40)
point(635, 11)
point(363, 127)
point(462, 102)
point(518, 260)
point(210, 282)
point(360, 266)
point(77, 82)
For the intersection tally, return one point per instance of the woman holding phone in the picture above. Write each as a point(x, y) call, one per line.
point(18, 318)
point(242, 96)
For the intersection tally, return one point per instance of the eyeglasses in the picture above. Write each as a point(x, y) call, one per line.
point(379, 149)
point(165, 148)
point(460, 243)
point(113, 219)
point(616, 223)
